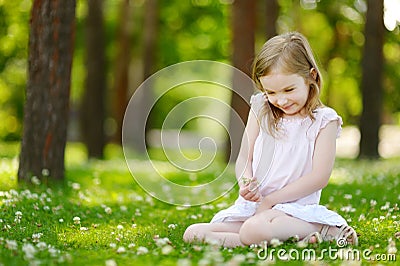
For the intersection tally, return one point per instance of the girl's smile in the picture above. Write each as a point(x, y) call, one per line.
point(288, 92)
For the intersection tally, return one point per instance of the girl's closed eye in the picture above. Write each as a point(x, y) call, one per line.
point(289, 89)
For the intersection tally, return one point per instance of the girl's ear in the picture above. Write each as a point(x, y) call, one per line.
point(313, 73)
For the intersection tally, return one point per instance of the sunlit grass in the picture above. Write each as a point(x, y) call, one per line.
point(120, 223)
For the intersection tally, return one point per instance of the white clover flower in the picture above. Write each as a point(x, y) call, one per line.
point(142, 250)
point(238, 259)
point(373, 203)
point(35, 180)
point(18, 216)
point(172, 226)
point(183, 262)
point(121, 250)
point(348, 196)
point(53, 252)
point(391, 249)
point(46, 208)
point(275, 242)
point(76, 186)
point(166, 249)
point(11, 244)
point(36, 237)
point(348, 208)
point(84, 228)
point(162, 241)
point(41, 245)
point(29, 250)
point(131, 245)
point(108, 210)
point(386, 206)
point(45, 172)
point(113, 245)
point(7, 227)
point(123, 208)
point(111, 262)
point(120, 227)
point(61, 220)
point(76, 220)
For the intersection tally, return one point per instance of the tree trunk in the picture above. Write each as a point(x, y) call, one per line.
point(92, 109)
point(142, 126)
point(371, 83)
point(51, 42)
point(271, 16)
point(122, 67)
point(243, 23)
point(150, 37)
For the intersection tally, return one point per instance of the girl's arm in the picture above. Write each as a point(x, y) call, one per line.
point(322, 165)
point(243, 166)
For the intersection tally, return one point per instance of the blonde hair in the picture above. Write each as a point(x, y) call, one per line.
point(289, 53)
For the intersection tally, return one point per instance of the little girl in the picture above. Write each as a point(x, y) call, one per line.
point(286, 156)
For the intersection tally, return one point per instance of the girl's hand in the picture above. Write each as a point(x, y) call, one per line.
point(249, 189)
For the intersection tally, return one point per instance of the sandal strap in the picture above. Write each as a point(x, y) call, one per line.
point(324, 231)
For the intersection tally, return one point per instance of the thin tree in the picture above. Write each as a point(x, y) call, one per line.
point(51, 43)
point(92, 110)
point(143, 124)
point(271, 16)
point(371, 83)
point(243, 27)
point(121, 76)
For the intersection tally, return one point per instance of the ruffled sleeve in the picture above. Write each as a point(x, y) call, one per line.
point(257, 101)
point(323, 116)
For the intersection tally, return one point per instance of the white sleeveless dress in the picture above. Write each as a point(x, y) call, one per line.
point(280, 161)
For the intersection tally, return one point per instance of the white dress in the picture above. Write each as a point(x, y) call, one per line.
point(280, 161)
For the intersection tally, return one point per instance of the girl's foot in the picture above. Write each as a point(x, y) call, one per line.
point(312, 238)
point(343, 235)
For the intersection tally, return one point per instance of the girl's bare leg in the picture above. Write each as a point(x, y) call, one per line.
point(274, 224)
point(225, 234)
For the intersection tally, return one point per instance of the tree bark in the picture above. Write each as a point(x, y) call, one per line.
point(144, 124)
point(271, 16)
point(92, 109)
point(51, 42)
point(243, 24)
point(371, 83)
point(122, 67)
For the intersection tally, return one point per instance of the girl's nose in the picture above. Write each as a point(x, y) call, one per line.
point(281, 101)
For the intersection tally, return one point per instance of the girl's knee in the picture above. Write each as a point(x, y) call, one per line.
point(250, 231)
point(194, 232)
point(255, 230)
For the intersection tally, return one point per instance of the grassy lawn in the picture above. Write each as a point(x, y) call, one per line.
point(99, 215)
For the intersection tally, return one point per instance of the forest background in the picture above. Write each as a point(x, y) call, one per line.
point(97, 214)
point(118, 44)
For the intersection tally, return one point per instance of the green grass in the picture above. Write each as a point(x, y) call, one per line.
point(120, 224)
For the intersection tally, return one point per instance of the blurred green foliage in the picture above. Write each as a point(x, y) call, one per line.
point(14, 32)
point(200, 29)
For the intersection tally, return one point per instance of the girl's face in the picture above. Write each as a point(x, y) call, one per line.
point(288, 92)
